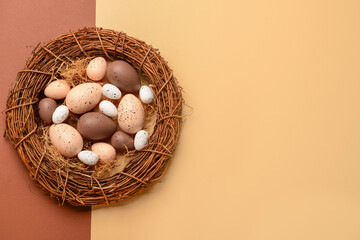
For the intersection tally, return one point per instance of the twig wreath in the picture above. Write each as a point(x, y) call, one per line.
point(67, 179)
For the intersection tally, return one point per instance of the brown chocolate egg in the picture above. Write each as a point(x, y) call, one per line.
point(47, 107)
point(120, 139)
point(95, 126)
point(124, 76)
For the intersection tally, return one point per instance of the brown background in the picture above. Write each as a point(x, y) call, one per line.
point(26, 212)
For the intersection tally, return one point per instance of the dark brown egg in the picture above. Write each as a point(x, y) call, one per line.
point(120, 139)
point(95, 126)
point(124, 76)
point(47, 107)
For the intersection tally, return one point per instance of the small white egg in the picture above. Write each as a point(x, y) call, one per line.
point(60, 114)
point(88, 157)
point(108, 108)
point(141, 139)
point(111, 91)
point(146, 94)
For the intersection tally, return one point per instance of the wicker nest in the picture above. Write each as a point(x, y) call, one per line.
point(69, 182)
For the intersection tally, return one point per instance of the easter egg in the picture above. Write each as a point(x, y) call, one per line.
point(60, 114)
point(57, 89)
point(47, 107)
point(131, 114)
point(146, 94)
point(83, 97)
point(95, 126)
point(88, 157)
point(122, 141)
point(66, 139)
point(108, 108)
point(124, 76)
point(96, 69)
point(141, 139)
point(111, 91)
point(105, 151)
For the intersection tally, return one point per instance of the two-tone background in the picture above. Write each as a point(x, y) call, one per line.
point(271, 149)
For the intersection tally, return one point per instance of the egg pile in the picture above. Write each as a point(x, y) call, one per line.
point(109, 109)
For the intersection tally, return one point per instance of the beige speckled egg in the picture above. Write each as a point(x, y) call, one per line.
point(131, 114)
point(66, 139)
point(96, 69)
point(57, 89)
point(105, 151)
point(83, 97)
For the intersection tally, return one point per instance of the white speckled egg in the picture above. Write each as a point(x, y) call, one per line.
point(60, 114)
point(96, 69)
point(105, 151)
point(131, 114)
point(146, 94)
point(141, 139)
point(57, 89)
point(111, 91)
point(88, 157)
point(66, 139)
point(108, 108)
point(83, 97)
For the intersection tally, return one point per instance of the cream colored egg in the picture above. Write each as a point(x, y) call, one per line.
point(57, 89)
point(105, 151)
point(96, 69)
point(131, 114)
point(83, 97)
point(66, 139)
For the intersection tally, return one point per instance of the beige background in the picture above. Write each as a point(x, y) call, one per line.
point(271, 150)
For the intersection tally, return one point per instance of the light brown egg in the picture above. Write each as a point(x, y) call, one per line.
point(83, 97)
point(105, 151)
point(131, 114)
point(57, 89)
point(96, 69)
point(66, 139)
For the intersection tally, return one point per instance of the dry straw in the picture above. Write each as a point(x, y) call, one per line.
point(69, 181)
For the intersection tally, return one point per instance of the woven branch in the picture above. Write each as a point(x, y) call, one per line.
point(69, 182)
